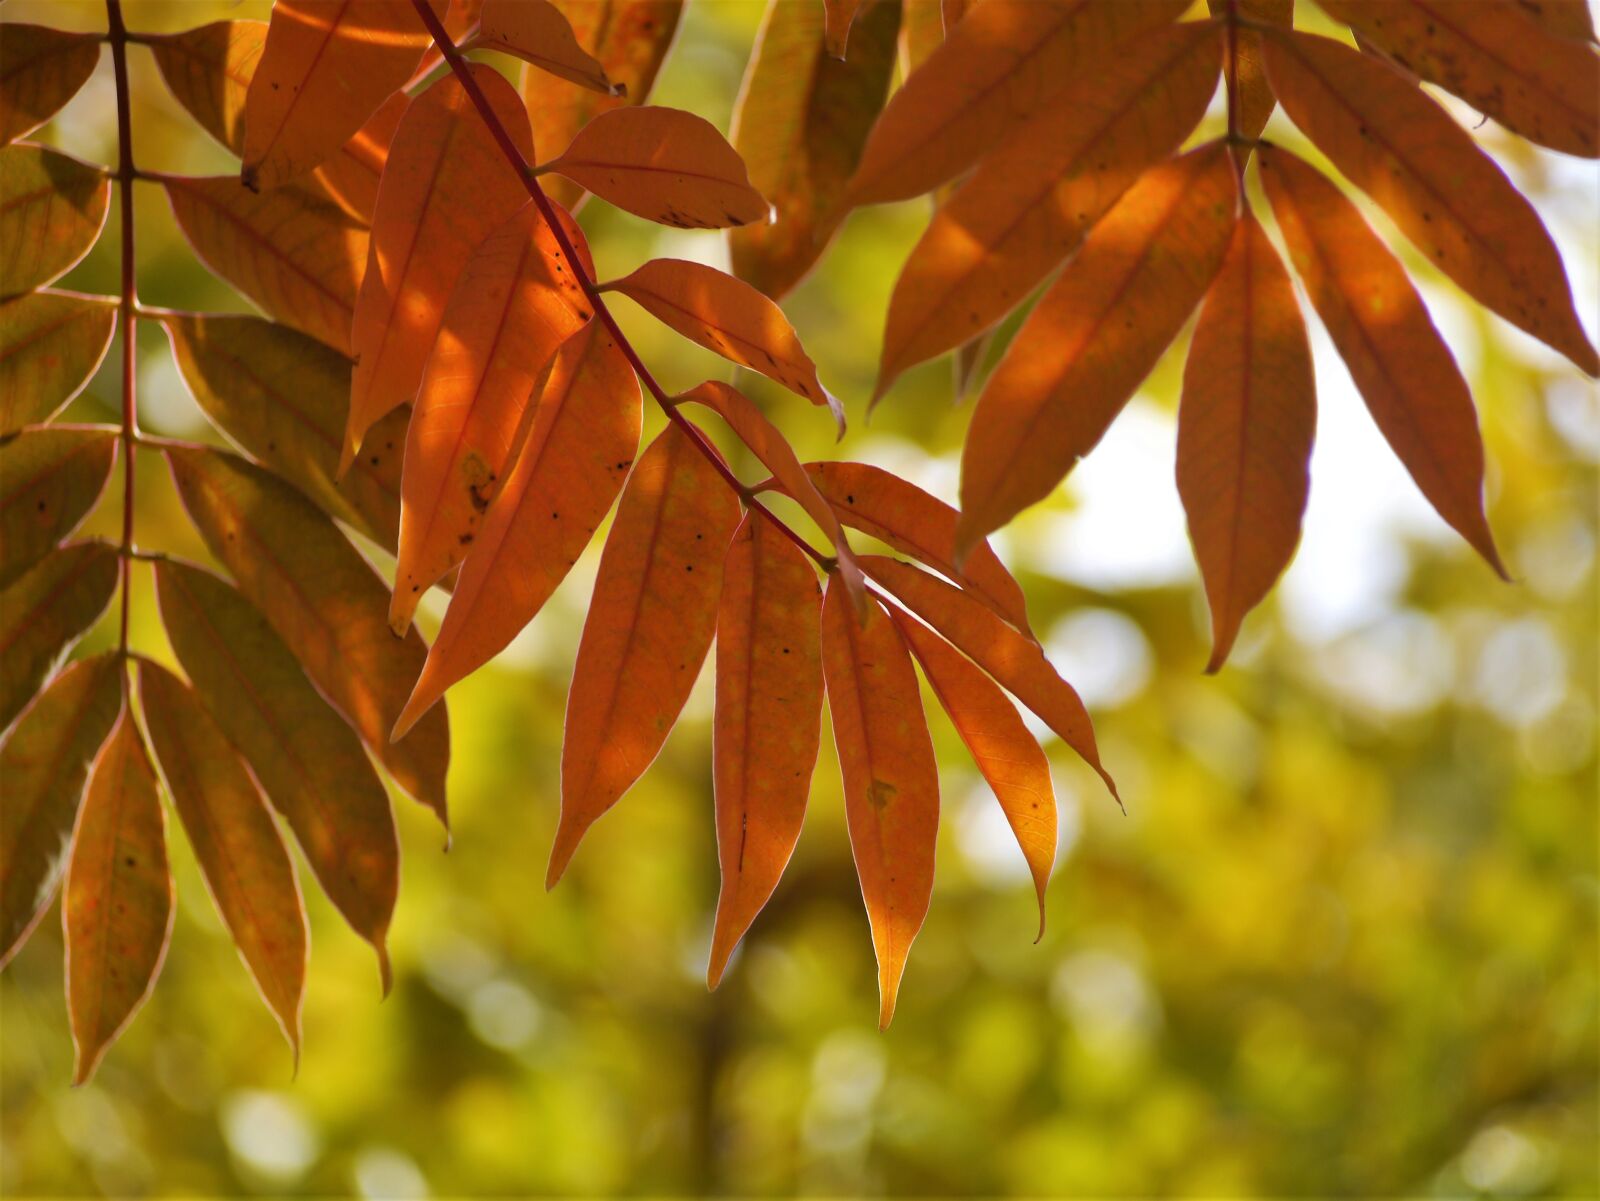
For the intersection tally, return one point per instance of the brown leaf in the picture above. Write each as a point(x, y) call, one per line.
point(1564, 18)
point(51, 344)
point(49, 480)
point(52, 207)
point(1254, 91)
point(838, 17)
point(45, 612)
point(40, 70)
point(538, 33)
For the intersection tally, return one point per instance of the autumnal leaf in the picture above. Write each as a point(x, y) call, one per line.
point(445, 188)
point(116, 907)
point(1497, 58)
point(1244, 431)
point(52, 207)
point(665, 165)
point(323, 599)
point(351, 176)
point(1000, 64)
point(45, 612)
point(283, 398)
point(1006, 753)
point(235, 841)
point(1016, 663)
point(650, 624)
point(514, 305)
point(309, 762)
point(730, 317)
point(565, 473)
point(40, 70)
point(1095, 335)
point(891, 780)
point(1564, 18)
point(44, 761)
point(51, 344)
point(1446, 195)
point(297, 255)
point(1375, 317)
point(838, 18)
point(924, 24)
point(802, 120)
point(768, 720)
point(1254, 91)
point(326, 68)
point(536, 32)
point(49, 480)
point(1029, 204)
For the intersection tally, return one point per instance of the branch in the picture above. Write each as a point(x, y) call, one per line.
point(117, 36)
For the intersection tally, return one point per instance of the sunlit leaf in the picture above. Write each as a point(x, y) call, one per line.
point(351, 176)
point(1255, 100)
point(52, 207)
point(49, 480)
point(45, 612)
point(538, 33)
point(649, 627)
point(51, 344)
point(40, 70)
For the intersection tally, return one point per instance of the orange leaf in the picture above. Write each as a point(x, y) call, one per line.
point(1445, 194)
point(44, 761)
point(665, 165)
point(516, 302)
point(1244, 431)
point(52, 208)
point(1564, 18)
point(352, 175)
point(838, 17)
point(583, 434)
point(1027, 205)
point(730, 317)
point(1017, 770)
point(49, 480)
point(445, 188)
point(536, 32)
point(240, 852)
point(1000, 64)
point(1095, 335)
point(45, 612)
point(891, 780)
point(51, 344)
point(649, 626)
point(297, 255)
point(768, 721)
point(922, 31)
point(1402, 366)
point(1255, 99)
point(326, 68)
point(117, 905)
point(1017, 664)
point(40, 70)
point(309, 762)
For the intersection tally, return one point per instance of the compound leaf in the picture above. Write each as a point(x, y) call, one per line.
point(51, 344)
point(49, 480)
point(45, 612)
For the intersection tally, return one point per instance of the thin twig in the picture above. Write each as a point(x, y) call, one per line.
point(117, 35)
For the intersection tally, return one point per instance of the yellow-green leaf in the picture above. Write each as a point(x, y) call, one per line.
point(49, 480)
point(52, 207)
point(45, 612)
point(51, 344)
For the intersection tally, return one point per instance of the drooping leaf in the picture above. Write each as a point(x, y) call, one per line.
point(51, 344)
point(1497, 58)
point(1445, 194)
point(802, 120)
point(297, 255)
point(1011, 761)
point(323, 599)
point(235, 841)
point(1253, 93)
point(1000, 64)
point(116, 906)
point(768, 720)
point(539, 34)
point(663, 164)
point(1027, 205)
point(839, 17)
point(49, 480)
point(650, 624)
point(45, 612)
point(891, 780)
point(44, 761)
point(1399, 362)
point(1244, 431)
point(581, 440)
point(40, 70)
point(730, 317)
point(1095, 335)
point(309, 762)
point(284, 398)
point(445, 188)
point(517, 300)
point(1016, 663)
point(52, 207)
point(325, 69)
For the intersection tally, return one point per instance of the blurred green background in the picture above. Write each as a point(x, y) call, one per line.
point(1343, 943)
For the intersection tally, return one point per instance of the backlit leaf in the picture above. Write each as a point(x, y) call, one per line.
point(40, 70)
point(1094, 337)
point(49, 480)
point(649, 626)
point(839, 17)
point(1564, 18)
point(51, 344)
point(665, 165)
point(891, 781)
point(351, 176)
point(536, 32)
point(44, 761)
point(45, 612)
point(52, 207)
point(309, 762)
point(1244, 431)
point(768, 720)
point(235, 841)
point(1445, 194)
point(1255, 100)
point(116, 906)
